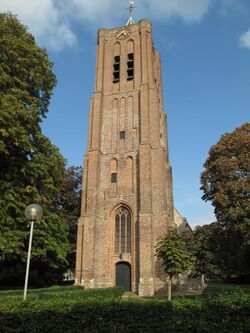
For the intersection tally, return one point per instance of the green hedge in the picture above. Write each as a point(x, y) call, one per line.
point(229, 313)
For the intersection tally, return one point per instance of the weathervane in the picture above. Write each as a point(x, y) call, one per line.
point(131, 9)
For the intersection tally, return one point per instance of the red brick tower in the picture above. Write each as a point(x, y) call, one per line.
point(127, 200)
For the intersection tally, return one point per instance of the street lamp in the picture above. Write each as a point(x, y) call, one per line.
point(32, 213)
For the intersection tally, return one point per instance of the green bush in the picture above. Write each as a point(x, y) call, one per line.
point(234, 297)
point(100, 311)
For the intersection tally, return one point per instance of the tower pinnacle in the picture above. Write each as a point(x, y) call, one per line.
point(131, 9)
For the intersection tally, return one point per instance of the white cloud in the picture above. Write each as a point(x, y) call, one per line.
point(49, 20)
point(189, 11)
point(44, 20)
point(245, 40)
point(61, 36)
point(100, 10)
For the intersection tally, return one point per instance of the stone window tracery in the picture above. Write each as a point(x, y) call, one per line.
point(122, 231)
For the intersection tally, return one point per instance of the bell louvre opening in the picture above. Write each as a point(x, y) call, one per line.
point(116, 69)
point(130, 66)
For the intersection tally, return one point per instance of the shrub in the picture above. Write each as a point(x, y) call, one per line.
point(100, 311)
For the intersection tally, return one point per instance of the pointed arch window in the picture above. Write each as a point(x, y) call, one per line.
point(122, 231)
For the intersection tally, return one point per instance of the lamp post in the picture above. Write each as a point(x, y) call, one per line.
point(32, 213)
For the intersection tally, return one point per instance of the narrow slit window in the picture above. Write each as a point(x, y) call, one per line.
point(130, 66)
point(122, 135)
point(116, 69)
point(113, 177)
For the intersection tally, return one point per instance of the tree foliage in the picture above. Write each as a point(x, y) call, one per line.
point(31, 167)
point(226, 178)
point(225, 182)
point(69, 201)
point(174, 254)
point(204, 243)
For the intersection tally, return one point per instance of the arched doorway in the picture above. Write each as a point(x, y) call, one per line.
point(123, 275)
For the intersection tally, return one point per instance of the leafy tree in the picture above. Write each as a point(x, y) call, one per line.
point(69, 201)
point(31, 167)
point(175, 256)
point(204, 244)
point(226, 183)
point(207, 240)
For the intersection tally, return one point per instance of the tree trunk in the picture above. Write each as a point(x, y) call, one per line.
point(170, 289)
point(203, 280)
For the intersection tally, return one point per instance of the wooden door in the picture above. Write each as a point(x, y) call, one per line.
point(123, 276)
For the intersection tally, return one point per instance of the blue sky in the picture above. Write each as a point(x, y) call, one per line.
point(205, 53)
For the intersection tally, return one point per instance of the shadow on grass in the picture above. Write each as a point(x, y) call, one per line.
point(76, 292)
point(212, 289)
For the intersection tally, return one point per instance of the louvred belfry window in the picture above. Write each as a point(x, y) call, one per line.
point(116, 69)
point(130, 66)
point(122, 231)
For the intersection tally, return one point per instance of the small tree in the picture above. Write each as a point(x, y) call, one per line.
point(175, 256)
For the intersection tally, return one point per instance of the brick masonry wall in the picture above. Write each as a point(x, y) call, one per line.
point(144, 181)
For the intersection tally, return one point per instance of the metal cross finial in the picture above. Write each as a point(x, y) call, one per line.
point(131, 9)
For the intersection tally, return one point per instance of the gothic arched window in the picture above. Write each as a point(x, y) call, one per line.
point(122, 231)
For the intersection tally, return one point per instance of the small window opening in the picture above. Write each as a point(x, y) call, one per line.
point(122, 135)
point(116, 69)
point(113, 177)
point(130, 66)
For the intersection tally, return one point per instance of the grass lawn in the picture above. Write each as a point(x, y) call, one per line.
point(71, 293)
point(78, 293)
point(212, 289)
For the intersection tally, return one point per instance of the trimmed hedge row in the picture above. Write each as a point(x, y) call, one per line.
point(108, 316)
point(127, 317)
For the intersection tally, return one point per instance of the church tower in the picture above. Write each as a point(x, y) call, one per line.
point(127, 200)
